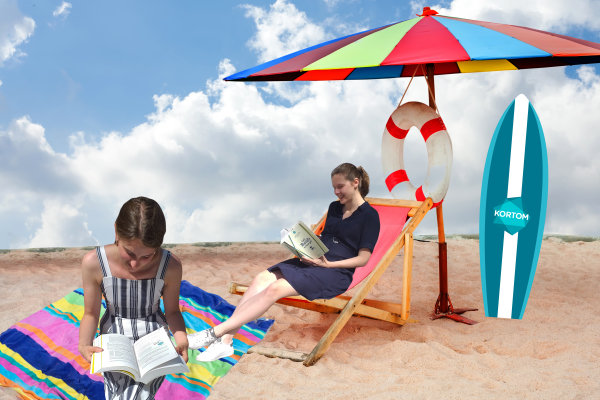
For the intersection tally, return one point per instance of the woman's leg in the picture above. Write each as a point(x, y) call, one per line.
point(255, 306)
point(260, 283)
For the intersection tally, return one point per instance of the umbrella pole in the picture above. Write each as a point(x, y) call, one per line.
point(443, 305)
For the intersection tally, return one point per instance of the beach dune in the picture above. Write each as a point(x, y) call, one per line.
point(553, 353)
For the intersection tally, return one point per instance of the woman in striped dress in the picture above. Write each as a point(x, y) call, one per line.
point(132, 274)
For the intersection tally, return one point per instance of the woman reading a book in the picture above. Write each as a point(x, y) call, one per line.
point(351, 232)
point(132, 274)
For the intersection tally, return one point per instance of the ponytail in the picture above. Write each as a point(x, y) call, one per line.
point(363, 182)
point(350, 172)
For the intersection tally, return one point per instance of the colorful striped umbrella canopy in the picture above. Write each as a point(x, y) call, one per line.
point(451, 44)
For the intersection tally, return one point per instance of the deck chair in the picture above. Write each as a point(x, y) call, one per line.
point(395, 233)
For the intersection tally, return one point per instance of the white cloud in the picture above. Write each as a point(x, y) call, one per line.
point(15, 29)
point(239, 168)
point(33, 164)
point(226, 164)
point(283, 29)
point(38, 181)
point(331, 3)
point(63, 10)
point(62, 222)
point(552, 15)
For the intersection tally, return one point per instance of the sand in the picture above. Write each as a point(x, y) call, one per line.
point(553, 353)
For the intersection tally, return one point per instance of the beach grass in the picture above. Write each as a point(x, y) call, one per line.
point(572, 238)
point(434, 238)
point(212, 244)
point(47, 250)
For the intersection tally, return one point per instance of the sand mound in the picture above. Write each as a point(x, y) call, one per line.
point(553, 353)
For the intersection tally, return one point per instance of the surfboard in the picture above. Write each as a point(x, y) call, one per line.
point(512, 211)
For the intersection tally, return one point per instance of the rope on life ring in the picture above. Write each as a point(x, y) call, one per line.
point(439, 153)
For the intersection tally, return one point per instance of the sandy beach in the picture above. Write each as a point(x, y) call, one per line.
point(553, 353)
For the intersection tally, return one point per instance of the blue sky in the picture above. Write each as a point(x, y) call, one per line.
point(97, 69)
point(111, 100)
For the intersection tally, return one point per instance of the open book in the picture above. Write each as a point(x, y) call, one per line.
point(302, 241)
point(150, 357)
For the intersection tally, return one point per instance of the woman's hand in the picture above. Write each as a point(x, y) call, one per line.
point(182, 349)
point(87, 351)
point(318, 262)
point(171, 302)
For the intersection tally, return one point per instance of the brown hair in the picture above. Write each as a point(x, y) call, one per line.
point(142, 218)
point(350, 172)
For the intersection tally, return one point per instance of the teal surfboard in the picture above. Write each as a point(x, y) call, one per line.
point(512, 212)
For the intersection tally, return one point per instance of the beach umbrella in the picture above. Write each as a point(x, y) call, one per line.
point(429, 45)
point(450, 45)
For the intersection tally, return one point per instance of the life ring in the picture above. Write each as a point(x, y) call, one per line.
point(439, 153)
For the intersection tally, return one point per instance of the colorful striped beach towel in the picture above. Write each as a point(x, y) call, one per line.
point(39, 357)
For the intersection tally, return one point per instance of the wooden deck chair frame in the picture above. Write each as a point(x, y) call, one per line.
point(358, 304)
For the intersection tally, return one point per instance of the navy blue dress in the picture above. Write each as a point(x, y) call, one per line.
point(343, 238)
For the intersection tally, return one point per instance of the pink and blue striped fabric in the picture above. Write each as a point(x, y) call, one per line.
point(39, 358)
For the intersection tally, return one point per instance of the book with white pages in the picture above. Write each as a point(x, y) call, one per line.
point(302, 242)
point(152, 356)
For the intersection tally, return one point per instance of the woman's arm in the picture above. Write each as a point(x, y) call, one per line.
point(171, 301)
point(92, 301)
point(359, 261)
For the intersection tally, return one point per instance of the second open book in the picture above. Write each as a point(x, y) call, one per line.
point(302, 242)
point(150, 357)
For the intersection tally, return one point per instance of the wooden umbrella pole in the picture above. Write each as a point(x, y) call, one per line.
point(443, 258)
point(443, 306)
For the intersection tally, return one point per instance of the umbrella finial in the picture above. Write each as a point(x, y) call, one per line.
point(427, 12)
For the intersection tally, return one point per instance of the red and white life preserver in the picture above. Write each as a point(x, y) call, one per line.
point(439, 152)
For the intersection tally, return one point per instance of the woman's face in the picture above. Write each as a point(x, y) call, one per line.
point(344, 189)
point(134, 254)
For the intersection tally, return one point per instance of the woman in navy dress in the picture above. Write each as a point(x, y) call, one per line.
point(351, 232)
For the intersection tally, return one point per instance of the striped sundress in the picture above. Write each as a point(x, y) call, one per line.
point(132, 309)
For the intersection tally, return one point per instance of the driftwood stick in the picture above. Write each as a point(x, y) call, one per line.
point(278, 353)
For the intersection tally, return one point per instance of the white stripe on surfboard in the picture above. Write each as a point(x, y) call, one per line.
point(517, 148)
point(515, 186)
point(507, 275)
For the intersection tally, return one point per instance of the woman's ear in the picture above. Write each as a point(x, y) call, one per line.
point(355, 183)
point(116, 236)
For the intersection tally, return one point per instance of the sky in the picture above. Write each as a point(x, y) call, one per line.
point(104, 101)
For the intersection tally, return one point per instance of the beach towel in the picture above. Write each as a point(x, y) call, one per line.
point(39, 357)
